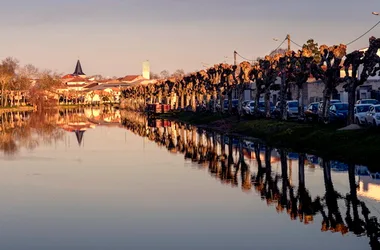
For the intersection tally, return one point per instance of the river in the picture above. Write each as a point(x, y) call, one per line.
point(105, 179)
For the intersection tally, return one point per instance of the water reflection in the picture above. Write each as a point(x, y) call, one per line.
point(30, 129)
point(24, 130)
point(227, 159)
point(278, 177)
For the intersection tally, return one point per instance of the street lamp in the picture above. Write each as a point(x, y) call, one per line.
point(375, 13)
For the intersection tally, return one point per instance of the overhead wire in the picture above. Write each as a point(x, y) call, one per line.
point(244, 57)
point(280, 44)
point(254, 60)
point(297, 44)
point(351, 42)
point(363, 34)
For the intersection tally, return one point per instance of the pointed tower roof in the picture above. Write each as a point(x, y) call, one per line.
point(79, 135)
point(78, 69)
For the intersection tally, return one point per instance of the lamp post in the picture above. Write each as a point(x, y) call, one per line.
point(287, 38)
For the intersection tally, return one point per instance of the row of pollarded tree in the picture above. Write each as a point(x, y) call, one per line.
point(294, 68)
point(227, 163)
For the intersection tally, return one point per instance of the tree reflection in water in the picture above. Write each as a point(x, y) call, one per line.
point(27, 130)
point(209, 149)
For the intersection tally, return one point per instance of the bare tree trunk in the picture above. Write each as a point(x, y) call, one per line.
point(283, 112)
point(193, 102)
point(176, 101)
point(241, 97)
point(229, 95)
point(221, 99)
point(215, 99)
point(159, 97)
point(267, 103)
point(208, 99)
point(257, 100)
point(351, 104)
point(326, 104)
point(300, 101)
point(188, 100)
point(200, 98)
point(182, 100)
point(2, 95)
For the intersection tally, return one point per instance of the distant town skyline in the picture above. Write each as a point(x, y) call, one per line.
point(114, 38)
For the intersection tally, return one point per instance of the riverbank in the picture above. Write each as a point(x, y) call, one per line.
point(16, 109)
point(115, 105)
point(352, 146)
point(68, 106)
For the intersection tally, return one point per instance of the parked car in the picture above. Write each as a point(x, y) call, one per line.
point(211, 105)
point(262, 107)
point(248, 108)
point(276, 113)
point(368, 101)
point(235, 103)
point(373, 115)
point(360, 112)
point(244, 103)
point(332, 101)
point(338, 112)
point(292, 109)
point(311, 112)
point(320, 108)
point(251, 108)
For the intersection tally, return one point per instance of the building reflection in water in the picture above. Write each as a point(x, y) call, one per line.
point(236, 162)
point(249, 165)
point(30, 129)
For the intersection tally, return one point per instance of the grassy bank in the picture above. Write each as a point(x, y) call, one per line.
point(356, 146)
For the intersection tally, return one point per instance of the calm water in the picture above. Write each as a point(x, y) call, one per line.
point(88, 179)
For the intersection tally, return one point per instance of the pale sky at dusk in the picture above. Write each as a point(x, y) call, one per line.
point(114, 37)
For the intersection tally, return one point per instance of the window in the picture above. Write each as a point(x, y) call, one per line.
point(341, 106)
point(361, 109)
point(293, 104)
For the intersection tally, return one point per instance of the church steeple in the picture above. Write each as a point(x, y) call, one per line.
point(79, 135)
point(78, 69)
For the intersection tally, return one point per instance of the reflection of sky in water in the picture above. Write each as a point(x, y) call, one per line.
point(119, 190)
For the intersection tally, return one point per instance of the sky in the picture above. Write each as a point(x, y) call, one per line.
point(114, 37)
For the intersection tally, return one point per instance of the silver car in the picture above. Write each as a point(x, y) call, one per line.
point(373, 115)
point(292, 109)
point(360, 113)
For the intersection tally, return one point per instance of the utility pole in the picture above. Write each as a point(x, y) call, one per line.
point(288, 38)
point(235, 53)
